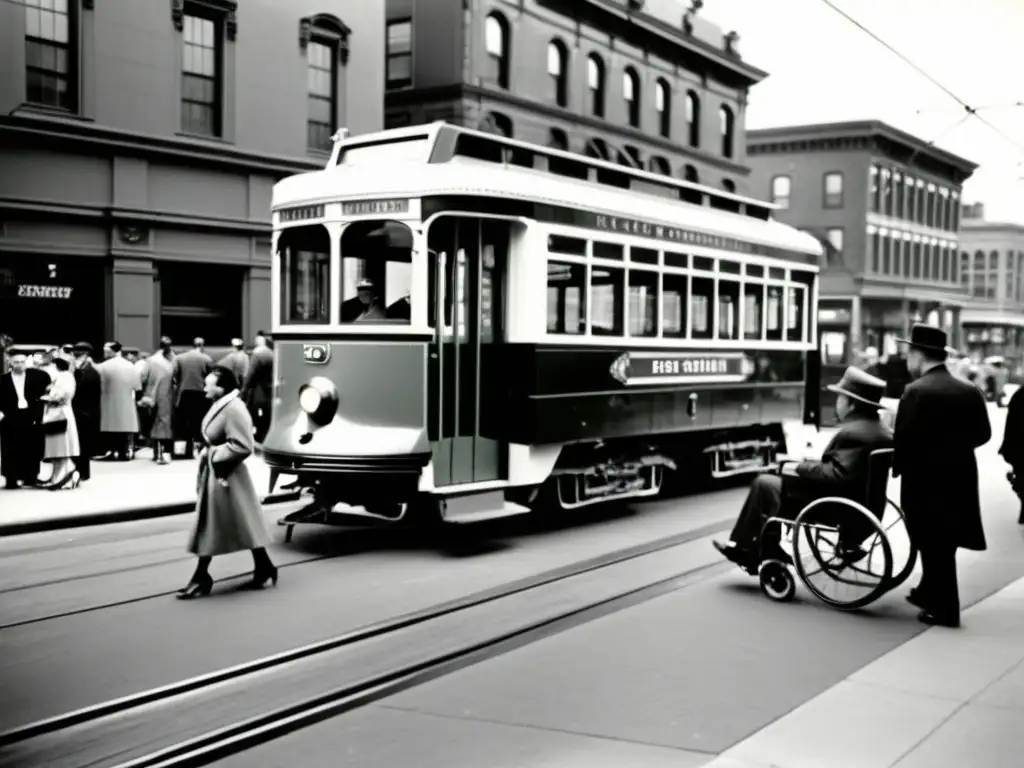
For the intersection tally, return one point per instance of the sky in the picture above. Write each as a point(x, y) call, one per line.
point(822, 68)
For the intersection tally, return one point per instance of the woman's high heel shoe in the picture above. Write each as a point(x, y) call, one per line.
point(195, 589)
point(261, 576)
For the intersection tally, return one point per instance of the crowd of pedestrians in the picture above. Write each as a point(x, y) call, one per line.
point(62, 408)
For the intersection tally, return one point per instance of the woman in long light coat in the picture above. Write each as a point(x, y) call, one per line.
point(61, 446)
point(229, 516)
point(158, 398)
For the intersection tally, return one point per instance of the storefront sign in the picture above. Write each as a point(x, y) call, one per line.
point(44, 291)
point(645, 368)
point(300, 213)
point(375, 207)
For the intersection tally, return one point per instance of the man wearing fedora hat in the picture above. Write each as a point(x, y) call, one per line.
point(940, 422)
point(842, 471)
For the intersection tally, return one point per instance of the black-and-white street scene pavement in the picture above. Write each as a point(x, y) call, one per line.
point(685, 662)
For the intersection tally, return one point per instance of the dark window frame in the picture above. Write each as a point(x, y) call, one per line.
point(217, 19)
point(38, 47)
point(629, 74)
point(727, 125)
point(832, 201)
point(693, 108)
point(597, 92)
point(394, 83)
point(560, 81)
point(501, 59)
point(662, 87)
point(330, 45)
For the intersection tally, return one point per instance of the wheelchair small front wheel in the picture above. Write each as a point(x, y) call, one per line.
point(777, 582)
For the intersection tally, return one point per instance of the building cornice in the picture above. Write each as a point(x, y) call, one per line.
point(632, 24)
point(458, 91)
point(900, 145)
point(33, 130)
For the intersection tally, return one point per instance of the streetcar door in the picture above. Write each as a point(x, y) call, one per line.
point(468, 259)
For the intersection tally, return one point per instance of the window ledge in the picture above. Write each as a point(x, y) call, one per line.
point(199, 137)
point(56, 112)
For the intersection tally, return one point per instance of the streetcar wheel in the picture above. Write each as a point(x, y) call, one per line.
point(777, 582)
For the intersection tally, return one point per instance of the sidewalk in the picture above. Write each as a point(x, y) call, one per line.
point(119, 492)
point(945, 699)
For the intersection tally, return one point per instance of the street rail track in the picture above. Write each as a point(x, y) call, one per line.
point(249, 732)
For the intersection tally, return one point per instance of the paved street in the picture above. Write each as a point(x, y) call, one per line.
point(88, 616)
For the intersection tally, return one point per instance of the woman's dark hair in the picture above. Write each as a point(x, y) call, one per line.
point(62, 364)
point(226, 378)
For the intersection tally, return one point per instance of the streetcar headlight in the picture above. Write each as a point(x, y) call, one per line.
point(319, 400)
point(310, 399)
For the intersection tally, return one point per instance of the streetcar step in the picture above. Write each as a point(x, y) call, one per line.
point(478, 507)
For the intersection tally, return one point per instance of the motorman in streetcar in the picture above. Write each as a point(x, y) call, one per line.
point(842, 471)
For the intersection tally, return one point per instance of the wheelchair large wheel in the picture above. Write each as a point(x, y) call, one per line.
point(843, 573)
point(904, 551)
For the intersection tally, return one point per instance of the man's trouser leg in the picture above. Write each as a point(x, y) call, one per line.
point(763, 501)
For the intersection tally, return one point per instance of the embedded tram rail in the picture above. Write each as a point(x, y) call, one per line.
point(237, 708)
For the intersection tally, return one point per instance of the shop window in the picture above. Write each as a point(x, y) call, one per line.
point(753, 305)
point(701, 308)
point(376, 273)
point(643, 303)
point(606, 301)
point(673, 305)
point(567, 294)
point(200, 300)
point(305, 264)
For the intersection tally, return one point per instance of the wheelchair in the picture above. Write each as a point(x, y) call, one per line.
point(847, 554)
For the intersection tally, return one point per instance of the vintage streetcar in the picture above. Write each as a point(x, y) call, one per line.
point(468, 327)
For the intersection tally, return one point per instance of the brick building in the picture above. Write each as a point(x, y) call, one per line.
point(648, 84)
point(139, 142)
point(886, 204)
point(992, 265)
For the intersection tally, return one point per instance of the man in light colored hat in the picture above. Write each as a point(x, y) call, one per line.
point(842, 471)
point(940, 423)
point(236, 360)
point(365, 306)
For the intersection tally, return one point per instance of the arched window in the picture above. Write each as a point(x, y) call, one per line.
point(597, 148)
point(496, 32)
point(729, 185)
point(659, 165)
point(630, 157)
point(595, 83)
point(693, 118)
point(663, 106)
point(690, 174)
point(631, 94)
point(558, 139)
point(727, 123)
point(502, 124)
point(558, 58)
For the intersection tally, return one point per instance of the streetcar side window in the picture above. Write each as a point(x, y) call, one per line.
point(305, 261)
point(753, 307)
point(643, 302)
point(773, 326)
point(606, 301)
point(701, 307)
point(728, 309)
point(675, 288)
point(376, 273)
point(567, 295)
point(795, 322)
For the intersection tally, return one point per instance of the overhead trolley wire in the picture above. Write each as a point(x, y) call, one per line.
point(971, 111)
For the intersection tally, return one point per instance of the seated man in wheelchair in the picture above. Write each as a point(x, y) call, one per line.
point(842, 471)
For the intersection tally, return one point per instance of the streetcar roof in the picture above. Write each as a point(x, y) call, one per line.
point(405, 175)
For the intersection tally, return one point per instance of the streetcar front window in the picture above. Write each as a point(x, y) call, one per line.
point(376, 273)
point(305, 260)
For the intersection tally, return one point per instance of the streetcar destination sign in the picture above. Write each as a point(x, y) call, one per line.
point(45, 291)
point(645, 368)
point(364, 207)
point(628, 226)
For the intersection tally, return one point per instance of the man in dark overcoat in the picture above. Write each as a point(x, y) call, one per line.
point(21, 411)
point(843, 470)
point(258, 389)
point(1012, 449)
point(940, 423)
point(86, 406)
point(188, 380)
